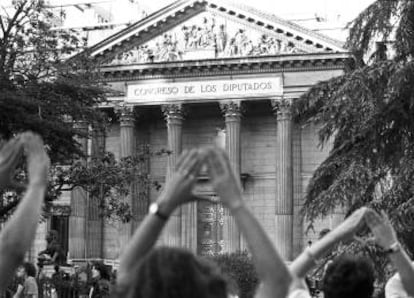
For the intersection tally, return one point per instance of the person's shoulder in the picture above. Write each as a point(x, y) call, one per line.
point(394, 287)
point(104, 283)
point(120, 291)
point(299, 293)
point(30, 280)
point(30, 286)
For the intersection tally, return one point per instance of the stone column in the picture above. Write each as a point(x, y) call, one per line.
point(174, 117)
point(95, 239)
point(284, 176)
point(127, 149)
point(78, 205)
point(232, 116)
point(141, 188)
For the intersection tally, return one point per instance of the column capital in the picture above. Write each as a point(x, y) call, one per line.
point(282, 108)
point(231, 109)
point(173, 113)
point(126, 114)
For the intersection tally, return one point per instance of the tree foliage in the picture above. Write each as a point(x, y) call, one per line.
point(368, 113)
point(38, 90)
point(44, 91)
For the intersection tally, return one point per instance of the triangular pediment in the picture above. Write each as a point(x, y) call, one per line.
point(194, 30)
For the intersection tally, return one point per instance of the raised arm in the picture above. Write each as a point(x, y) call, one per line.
point(19, 232)
point(273, 273)
point(385, 236)
point(307, 259)
point(176, 192)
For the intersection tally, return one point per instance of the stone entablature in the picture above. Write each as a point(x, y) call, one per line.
point(227, 66)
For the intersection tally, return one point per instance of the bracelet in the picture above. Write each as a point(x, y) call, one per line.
point(395, 247)
point(310, 255)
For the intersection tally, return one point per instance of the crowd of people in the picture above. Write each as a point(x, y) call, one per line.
point(150, 271)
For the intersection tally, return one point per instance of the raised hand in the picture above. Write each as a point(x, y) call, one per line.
point(223, 179)
point(179, 189)
point(350, 226)
point(382, 229)
point(37, 159)
point(9, 157)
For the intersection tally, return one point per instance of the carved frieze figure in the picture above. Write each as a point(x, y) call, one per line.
point(205, 33)
point(221, 39)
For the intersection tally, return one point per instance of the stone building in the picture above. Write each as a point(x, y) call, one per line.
point(200, 72)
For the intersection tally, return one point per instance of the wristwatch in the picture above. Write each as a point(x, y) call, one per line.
point(395, 247)
point(154, 208)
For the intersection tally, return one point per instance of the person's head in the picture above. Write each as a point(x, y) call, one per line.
point(100, 271)
point(175, 273)
point(52, 235)
point(26, 269)
point(349, 276)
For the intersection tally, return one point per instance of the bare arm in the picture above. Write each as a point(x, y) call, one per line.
point(19, 291)
point(386, 237)
point(18, 234)
point(274, 275)
point(176, 192)
point(306, 260)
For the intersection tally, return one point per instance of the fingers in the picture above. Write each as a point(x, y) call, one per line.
point(37, 159)
point(373, 219)
point(180, 160)
point(33, 143)
point(190, 163)
point(216, 162)
point(385, 216)
point(11, 153)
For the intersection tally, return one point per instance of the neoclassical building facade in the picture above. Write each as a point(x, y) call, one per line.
point(207, 72)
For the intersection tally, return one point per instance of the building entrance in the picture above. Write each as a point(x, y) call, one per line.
point(209, 227)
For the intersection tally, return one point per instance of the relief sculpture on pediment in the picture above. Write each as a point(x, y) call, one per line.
point(205, 37)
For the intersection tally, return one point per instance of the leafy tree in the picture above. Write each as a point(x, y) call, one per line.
point(240, 271)
point(368, 112)
point(38, 90)
point(44, 91)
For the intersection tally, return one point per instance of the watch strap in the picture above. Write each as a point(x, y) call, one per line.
point(155, 209)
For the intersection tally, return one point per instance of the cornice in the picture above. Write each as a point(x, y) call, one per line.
point(228, 66)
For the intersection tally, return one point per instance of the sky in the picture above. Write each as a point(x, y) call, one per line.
point(334, 13)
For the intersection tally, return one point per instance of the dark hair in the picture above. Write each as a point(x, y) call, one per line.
point(29, 268)
point(349, 276)
point(103, 270)
point(175, 273)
